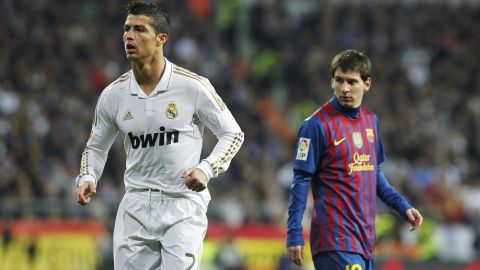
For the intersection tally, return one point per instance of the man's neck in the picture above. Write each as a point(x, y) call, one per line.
point(352, 113)
point(149, 73)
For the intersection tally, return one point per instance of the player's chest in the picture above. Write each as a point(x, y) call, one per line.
point(352, 139)
point(150, 114)
point(353, 149)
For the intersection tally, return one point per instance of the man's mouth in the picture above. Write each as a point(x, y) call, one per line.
point(130, 48)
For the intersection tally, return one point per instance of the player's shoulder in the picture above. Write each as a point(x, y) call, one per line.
point(186, 78)
point(121, 82)
point(319, 113)
point(118, 86)
point(367, 112)
point(314, 121)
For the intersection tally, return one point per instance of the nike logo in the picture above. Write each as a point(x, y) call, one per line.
point(335, 142)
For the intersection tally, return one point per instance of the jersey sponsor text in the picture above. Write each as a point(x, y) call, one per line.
point(361, 162)
point(150, 139)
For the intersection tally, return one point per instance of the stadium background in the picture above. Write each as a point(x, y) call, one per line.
point(269, 61)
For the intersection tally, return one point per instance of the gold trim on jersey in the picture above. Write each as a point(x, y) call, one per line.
point(95, 117)
point(122, 78)
point(84, 163)
point(232, 150)
point(204, 82)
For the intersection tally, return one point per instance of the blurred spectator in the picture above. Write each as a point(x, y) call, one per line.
point(229, 257)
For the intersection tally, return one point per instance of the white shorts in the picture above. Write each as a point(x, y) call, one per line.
point(157, 231)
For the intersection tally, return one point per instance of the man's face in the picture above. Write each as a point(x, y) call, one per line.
point(139, 37)
point(349, 88)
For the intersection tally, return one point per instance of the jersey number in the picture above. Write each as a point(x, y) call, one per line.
point(354, 267)
point(193, 262)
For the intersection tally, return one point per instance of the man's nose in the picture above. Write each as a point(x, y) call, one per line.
point(128, 35)
point(345, 87)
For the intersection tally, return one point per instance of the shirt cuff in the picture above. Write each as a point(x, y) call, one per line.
point(295, 238)
point(404, 210)
point(85, 178)
point(206, 168)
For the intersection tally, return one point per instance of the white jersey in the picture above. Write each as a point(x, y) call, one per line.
point(162, 133)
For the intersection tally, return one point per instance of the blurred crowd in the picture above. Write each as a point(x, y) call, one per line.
point(269, 61)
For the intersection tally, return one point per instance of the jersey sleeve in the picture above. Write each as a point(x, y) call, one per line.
point(214, 114)
point(102, 136)
point(296, 207)
point(385, 191)
point(310, 145)
point(390, 195)
point(381, 157)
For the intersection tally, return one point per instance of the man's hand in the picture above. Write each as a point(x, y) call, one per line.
point(415, 218)
point(85, 192)
point(296, 254)
point(195, 179)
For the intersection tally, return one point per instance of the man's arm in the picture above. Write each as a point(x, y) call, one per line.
point(394, 200)
point(95, 154)
point(310, 147)
point(296, 208)
point(214, 114)
point(389, 195)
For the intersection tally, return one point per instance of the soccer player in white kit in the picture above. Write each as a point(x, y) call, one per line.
point(160, 110)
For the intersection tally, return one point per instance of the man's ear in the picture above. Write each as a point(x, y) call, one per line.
point(162, 39)
point(368, 84)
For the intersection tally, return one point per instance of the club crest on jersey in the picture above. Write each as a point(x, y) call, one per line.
point(370, 135)
point(303, 147)
point(171, 111)
point(357, 139)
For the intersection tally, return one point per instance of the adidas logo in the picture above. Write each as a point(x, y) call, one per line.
point(127, 116)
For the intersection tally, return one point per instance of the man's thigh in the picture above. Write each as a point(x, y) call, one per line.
point(134, 247)
point(158, 233)
point(337, 260)
point(182, 243)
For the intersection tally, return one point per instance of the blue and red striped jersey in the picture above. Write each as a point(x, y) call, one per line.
point(339, 152)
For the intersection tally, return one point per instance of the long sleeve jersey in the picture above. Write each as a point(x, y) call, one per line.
point(339, 152)
point(162, 133)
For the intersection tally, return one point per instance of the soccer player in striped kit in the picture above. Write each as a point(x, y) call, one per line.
point(339, 152)
point(160, 111)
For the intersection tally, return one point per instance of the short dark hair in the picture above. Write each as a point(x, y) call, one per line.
point(158, 16)
point(352, 60)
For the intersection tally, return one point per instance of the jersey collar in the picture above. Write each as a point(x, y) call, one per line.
point(162, 86)
point(350, 113)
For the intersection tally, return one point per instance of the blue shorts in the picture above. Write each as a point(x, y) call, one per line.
point(339, 260)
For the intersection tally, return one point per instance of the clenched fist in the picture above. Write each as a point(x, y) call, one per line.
point(85, 192)
point(195, 179)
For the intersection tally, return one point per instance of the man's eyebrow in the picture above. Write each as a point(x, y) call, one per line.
point(134, 25)
point(345, 78)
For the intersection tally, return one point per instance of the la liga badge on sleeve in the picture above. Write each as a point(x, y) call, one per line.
point(303, 147)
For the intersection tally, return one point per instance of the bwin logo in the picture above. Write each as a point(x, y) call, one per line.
point(164, 138)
